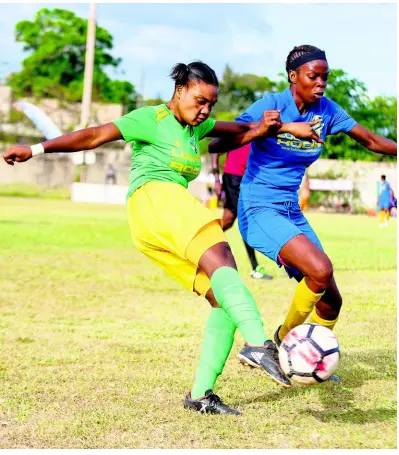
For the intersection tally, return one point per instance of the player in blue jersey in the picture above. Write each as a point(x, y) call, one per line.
point(172, 228)
point(270, 218)
point(384, 201)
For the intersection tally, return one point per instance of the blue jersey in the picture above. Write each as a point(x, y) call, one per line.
point(385, 193)
point(276, 165)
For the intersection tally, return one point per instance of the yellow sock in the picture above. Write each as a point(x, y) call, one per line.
point(382, 216)
point(316, 319)
point(387, 215)
point(302, 304)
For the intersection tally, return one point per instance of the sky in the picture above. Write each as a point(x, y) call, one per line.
point(252, 38)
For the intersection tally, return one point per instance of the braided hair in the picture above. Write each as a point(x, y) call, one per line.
point(298, 51)
point(184, 75)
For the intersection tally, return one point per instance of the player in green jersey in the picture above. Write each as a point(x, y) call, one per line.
point(172, 228)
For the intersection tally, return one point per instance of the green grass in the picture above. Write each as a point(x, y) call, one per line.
point(30, 190)
point(99, 346)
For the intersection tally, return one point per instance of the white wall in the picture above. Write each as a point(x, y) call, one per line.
point(364, 175)
point(58, 170)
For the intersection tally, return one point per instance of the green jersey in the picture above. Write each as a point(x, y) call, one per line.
point(163, 149)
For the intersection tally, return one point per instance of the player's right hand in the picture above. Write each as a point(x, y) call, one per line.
point(270, 121)
point(17, 153)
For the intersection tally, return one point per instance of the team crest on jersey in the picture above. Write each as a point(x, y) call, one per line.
point(318, 128)
point(193, 144)
point(290, 142)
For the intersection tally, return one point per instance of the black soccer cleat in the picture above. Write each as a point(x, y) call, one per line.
point(208, 404)
point(265, 357)
point(277, 340)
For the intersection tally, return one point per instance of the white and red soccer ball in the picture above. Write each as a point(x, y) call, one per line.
point(309, 354)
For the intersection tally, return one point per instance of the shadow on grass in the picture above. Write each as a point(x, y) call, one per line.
point(338, 399)
point(355, 416)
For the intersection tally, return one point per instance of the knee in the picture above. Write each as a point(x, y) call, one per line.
point(322, 273)
point(219, 255)
point(222, 253)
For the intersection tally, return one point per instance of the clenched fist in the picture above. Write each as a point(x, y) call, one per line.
point(270, 121)
point(18, 153)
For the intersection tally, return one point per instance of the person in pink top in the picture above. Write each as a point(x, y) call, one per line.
point(233, 172)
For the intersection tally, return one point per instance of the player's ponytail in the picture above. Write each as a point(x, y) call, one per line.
point(179, 74)
point(184, 75)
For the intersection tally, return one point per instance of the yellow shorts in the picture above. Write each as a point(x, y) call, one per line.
point(173, 229)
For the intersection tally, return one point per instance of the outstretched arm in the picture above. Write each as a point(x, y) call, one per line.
point(228, 129)
point(86, 139)
point(270, 120)
point(269, 125)
point(373, 142)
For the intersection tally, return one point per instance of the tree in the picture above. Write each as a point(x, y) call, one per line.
point(56, 40)
point(154, 101)
point(238, 91)
point(377, 115)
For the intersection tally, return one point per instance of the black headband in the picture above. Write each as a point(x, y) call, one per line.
point(299, 61)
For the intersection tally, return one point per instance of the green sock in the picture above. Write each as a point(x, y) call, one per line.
point(253, 303)
point(218, 340)
point(234, 297)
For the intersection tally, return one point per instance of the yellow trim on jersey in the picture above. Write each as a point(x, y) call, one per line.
point(161, 116)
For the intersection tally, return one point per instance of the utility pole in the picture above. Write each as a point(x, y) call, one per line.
point(88, 75)
point(89, 63)
point(140, 97)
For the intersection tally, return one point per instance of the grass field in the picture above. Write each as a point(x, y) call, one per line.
point(99, 346)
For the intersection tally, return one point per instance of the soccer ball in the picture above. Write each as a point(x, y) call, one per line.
point(309, 354)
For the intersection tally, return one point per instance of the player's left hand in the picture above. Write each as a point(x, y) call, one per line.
point(306, 130)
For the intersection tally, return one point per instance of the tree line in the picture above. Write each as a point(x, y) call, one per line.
point(56, 43)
